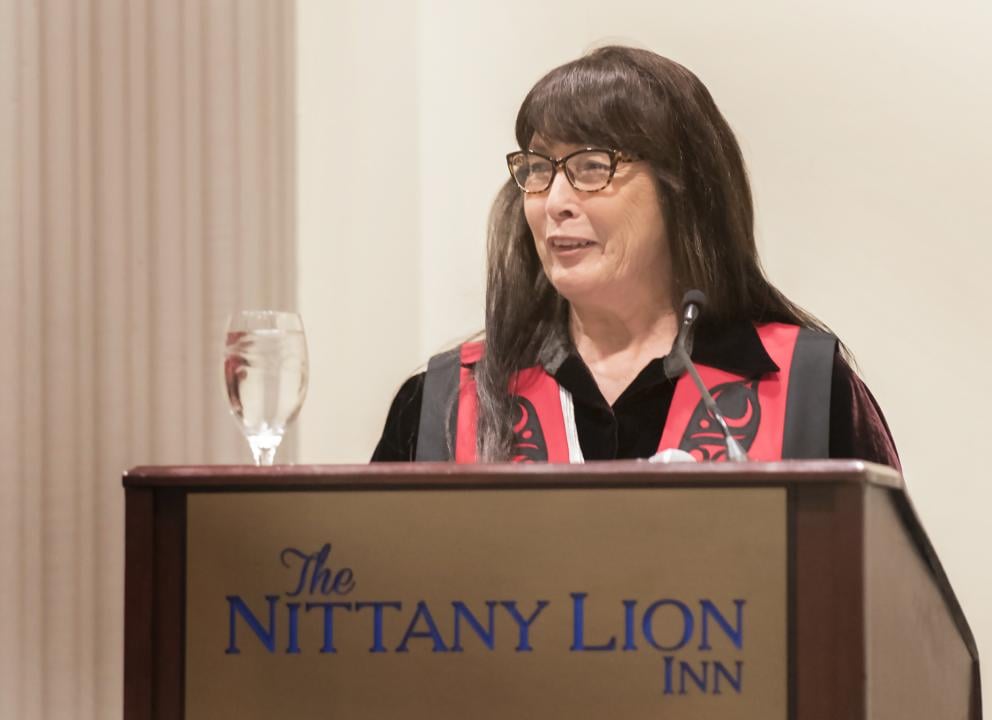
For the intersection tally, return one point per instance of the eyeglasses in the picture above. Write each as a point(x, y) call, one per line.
point(588, 169)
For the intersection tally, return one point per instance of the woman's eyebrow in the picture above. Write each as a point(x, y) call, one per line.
point(539, 143)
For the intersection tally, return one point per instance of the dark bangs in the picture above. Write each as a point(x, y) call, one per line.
point(601, 99)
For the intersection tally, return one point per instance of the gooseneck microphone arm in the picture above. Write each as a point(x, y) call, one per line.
point(693, 303)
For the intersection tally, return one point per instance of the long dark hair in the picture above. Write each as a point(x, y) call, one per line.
point(639, 102)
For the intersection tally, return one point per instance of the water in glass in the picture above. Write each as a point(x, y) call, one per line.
point(265, 371)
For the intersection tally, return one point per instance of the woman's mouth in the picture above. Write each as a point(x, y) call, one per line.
point(568, 245)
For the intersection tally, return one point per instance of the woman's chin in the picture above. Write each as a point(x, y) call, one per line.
point(576, 286)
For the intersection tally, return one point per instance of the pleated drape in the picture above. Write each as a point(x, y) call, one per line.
point(146, 191)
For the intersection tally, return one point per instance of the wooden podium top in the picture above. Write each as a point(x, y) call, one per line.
point(439, 475)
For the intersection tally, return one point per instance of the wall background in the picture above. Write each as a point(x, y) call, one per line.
point(865, 129)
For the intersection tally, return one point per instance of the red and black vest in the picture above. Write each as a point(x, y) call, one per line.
point(784, 414)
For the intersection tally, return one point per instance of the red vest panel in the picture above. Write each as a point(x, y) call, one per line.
point(753, 408)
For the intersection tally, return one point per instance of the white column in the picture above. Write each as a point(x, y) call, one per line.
point(359, 213)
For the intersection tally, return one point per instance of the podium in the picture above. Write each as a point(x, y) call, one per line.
point(794, 590)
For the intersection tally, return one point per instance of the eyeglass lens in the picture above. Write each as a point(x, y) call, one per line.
point(589, 170)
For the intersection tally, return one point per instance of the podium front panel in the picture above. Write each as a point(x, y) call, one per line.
point(487, 603)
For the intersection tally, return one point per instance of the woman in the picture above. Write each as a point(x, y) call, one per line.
point(630, 189)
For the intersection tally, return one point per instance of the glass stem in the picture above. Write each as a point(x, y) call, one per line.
point(263, 449)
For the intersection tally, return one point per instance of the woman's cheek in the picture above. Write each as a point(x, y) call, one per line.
point(533, 214)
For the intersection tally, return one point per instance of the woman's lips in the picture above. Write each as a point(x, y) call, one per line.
point(563, 244)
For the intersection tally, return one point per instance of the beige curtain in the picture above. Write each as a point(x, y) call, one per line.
point(146, 190)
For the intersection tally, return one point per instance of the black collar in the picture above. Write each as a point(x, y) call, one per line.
point(734, 348)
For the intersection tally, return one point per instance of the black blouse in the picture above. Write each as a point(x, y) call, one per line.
point(632, 427)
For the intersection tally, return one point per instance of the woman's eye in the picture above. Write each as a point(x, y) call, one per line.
point(587, 166)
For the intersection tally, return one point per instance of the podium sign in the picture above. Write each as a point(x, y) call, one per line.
point(794, 590)
point(487, 603)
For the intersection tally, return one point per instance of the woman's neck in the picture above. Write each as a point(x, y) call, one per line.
point(616, 343)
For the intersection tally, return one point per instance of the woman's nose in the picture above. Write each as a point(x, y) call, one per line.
point(562, 197)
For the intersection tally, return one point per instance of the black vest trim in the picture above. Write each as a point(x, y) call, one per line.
point(807, 409)
point(439, 408)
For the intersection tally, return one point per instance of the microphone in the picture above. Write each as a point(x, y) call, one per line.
point(693, 303)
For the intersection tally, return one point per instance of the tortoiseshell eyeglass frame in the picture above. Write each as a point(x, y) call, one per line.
point(616, 157)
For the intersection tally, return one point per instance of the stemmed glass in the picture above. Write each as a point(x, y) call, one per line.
point(265, 372)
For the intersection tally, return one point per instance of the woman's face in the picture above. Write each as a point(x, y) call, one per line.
point(603, 248)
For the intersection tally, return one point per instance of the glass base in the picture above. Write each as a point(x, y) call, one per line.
point(263, 448)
